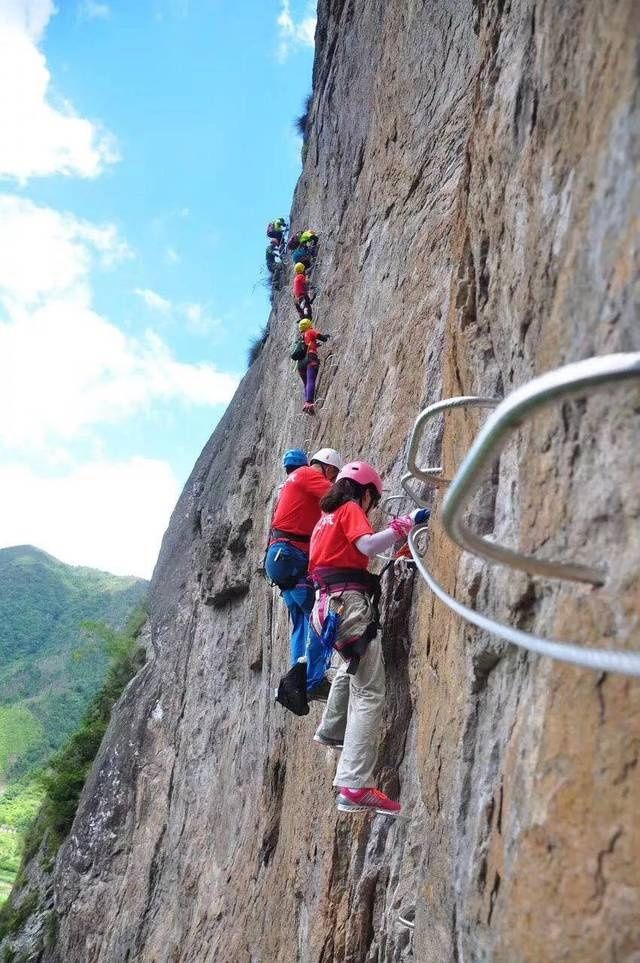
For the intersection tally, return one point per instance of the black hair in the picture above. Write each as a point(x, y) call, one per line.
point(346, 490)
point(289, 468)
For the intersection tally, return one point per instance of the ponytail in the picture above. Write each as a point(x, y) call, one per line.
point(343, 491)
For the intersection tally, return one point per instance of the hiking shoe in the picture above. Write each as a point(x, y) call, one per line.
point(328, 741)
point(308, 408)
point(367, 800)
point(320, 692)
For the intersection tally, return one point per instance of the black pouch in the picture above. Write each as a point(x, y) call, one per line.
point(292, 691)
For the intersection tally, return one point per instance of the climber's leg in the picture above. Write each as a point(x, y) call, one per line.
point(312, 374)
point(364, 718)
point(299, 602)
point(334, 718)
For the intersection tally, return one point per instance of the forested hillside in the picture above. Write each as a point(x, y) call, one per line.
point(49, 666)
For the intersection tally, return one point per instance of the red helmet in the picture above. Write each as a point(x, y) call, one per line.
point(364, 474)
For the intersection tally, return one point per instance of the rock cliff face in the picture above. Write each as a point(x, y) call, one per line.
point(472, 169)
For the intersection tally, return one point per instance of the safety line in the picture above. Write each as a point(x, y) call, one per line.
point(603, 660)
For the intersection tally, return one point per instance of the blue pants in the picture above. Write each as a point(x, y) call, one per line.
point(282, 563)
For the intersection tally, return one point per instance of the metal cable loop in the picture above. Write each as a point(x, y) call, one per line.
point(572, 380)
point(602, 660)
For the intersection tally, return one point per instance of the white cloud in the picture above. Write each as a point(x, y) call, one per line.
point(44, 252)
point(92, 10)
point(199, 321)
point(29, 16)
point(63, 367)
point(106, 514)
point(153, 300)
point(295, 33)
point(172, 256)
point(38, 137)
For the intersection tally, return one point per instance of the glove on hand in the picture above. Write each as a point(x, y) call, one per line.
point(420, 516)
point(404, 523)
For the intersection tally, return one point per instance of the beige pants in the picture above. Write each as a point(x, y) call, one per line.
point(354, 708)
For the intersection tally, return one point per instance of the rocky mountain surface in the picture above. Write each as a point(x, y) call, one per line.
point(472, 170)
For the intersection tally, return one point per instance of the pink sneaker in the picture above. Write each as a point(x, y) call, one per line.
point(366, 800)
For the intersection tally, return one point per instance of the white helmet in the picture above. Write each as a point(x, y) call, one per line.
point(328, 456)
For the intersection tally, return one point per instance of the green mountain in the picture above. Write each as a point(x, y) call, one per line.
point(49, 667)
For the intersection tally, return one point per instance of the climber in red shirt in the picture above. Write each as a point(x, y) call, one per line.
point(312, 363)
point(296, 513)
point(302, 296)
point(345, 616)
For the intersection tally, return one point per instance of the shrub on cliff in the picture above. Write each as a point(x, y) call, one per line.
point(256, 345)
point(302, 121)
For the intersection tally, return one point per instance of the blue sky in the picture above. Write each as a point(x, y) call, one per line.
point(148, 146)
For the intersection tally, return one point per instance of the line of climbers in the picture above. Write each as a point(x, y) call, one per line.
point(302, 247)
point(320, 546)
point(304, 350)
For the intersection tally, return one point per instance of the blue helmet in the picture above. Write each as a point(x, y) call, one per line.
point(294, 458)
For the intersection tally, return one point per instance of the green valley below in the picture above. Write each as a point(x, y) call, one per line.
point(50, 669)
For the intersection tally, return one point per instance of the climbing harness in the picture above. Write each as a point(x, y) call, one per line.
point(572, 380)
point(277, 533)
point(330, 582)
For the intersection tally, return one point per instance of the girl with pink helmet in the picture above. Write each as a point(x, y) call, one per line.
point(345, 616)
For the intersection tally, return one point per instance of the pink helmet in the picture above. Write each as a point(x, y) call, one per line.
point(364, 474)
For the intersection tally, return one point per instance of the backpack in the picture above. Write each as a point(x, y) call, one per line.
point(298, 349)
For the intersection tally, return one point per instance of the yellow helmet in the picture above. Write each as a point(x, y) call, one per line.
point(299, 268)
point(304, 325)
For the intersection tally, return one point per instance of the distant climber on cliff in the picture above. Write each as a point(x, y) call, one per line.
point(345, 617)
point(309, 239)
point(311, 363)
point(302, 295)
point(272, 259)
point(276, 229)
point(297, 511)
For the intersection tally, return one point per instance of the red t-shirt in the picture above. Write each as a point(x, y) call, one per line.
point(311, 340)
point(300, 285)
point(298, 507)
point(334, 537)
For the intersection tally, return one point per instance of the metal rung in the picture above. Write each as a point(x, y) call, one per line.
point(433, 475)
point(402, 558)
point(602, 660)
point(570, 381)
point(415, 498)
point(409, 924)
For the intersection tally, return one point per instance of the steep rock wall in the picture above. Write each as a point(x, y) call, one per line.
point(472, 169)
